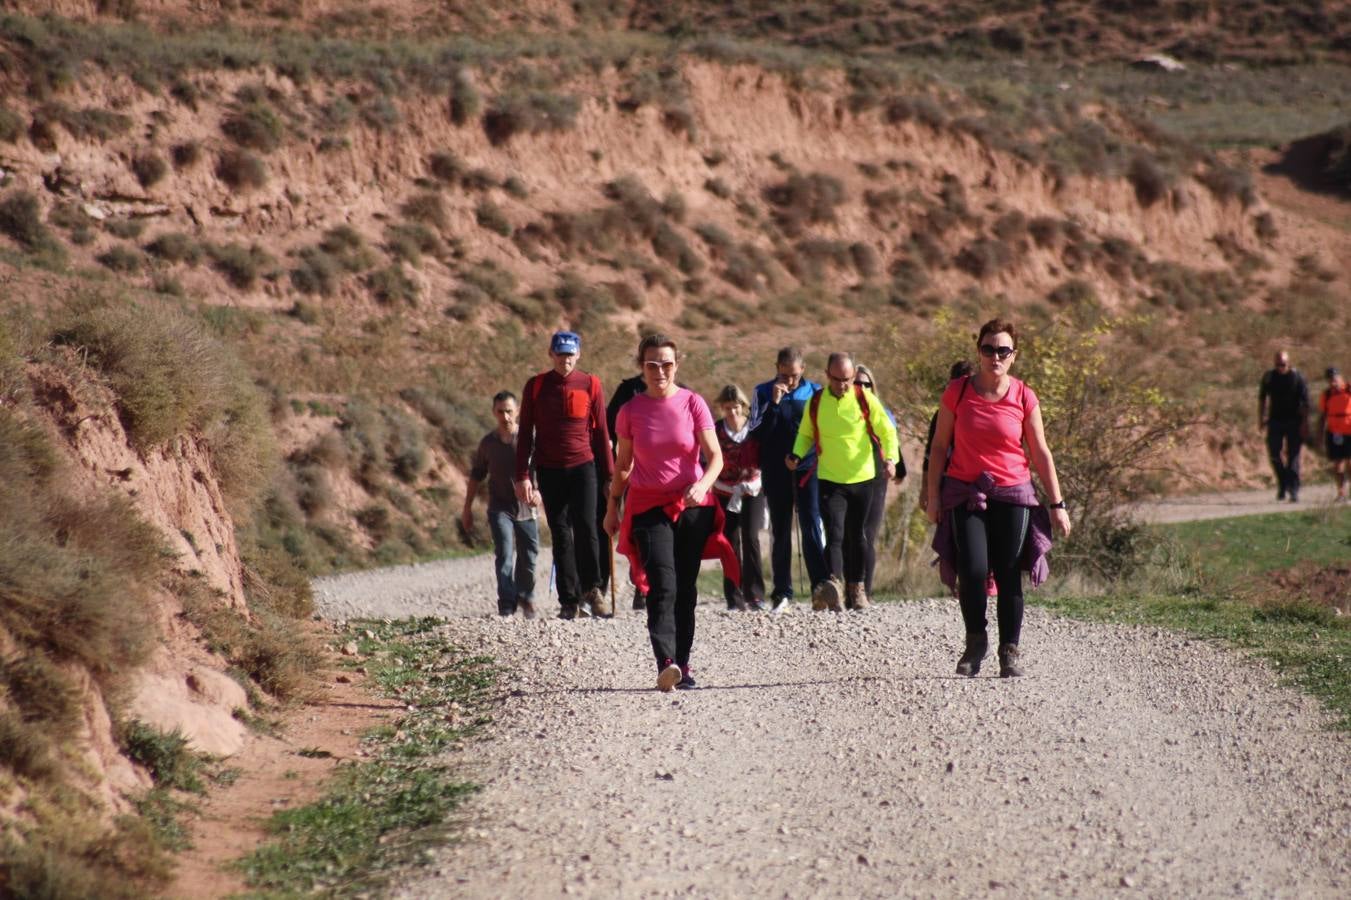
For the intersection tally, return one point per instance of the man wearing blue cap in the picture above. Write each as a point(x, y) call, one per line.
point(563, 429)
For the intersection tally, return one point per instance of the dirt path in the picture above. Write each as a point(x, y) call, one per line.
point(1231, 503)
point(837, 756)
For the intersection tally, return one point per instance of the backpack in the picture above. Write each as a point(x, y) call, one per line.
point(814, 404)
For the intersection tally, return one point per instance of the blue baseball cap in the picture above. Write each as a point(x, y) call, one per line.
point(565, 342)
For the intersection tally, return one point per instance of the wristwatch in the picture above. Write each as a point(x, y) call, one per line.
point(1060, 504)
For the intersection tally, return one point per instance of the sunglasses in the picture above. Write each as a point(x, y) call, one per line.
point(664, 365)
point(992, 350)
point(864, 384)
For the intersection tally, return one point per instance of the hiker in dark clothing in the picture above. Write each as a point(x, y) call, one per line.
point(776, 412)
point(627, 390)
point(514, 529)
point(1283, 409)
point(563, 431)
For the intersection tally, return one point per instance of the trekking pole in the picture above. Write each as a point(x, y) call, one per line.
point(614, 575)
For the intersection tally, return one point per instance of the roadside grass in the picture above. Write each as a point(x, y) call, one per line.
point(1212, 580)
point(383, 813)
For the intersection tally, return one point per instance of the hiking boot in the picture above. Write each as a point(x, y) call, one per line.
point(669, 677)
point(1294, 496)
point(855, 597)
point(506, 611)
point(600, 604)
point(686, 682)
point(1280, 495)
point(976, 647)
point(826, 595)
point(527, 608)
point(1008, 661)
point(755, 604)
point(567, 610)
point(639, 600)
point(778, 602)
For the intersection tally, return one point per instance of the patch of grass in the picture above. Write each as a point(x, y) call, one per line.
point(239, 264)
point(165, 755)
point(174, 247)
point(121, 259)
point(392, 285)
point(149, 168)
point(490, 216)
point(1247, 546)
point(12, 125)
point(529, 113)
point(241, 170)
point(254, 126)
point(382, 813)
point(427, 208)
point(21, 219)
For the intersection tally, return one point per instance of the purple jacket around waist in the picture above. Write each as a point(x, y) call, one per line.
point(974, 495)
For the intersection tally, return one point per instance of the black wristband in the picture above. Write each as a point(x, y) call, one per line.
point(1059, 505)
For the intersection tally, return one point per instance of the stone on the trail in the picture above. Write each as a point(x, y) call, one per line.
point(349, 648)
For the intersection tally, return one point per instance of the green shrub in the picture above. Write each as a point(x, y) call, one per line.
point(529, 113)
point(43, 694)
point(490, 216)
point(128, 228)
point(805, 199)
point(718, 188)
point(317, 273)
point(185, 155)
point(21, 219)
point(410, 240)
point(1227, 183)
point(669, 245)
point(165, 755)
point(1150, 180)
point(346, 245)
point(174, 247)
point(254, 126)
point(12, 125)
point(445, 166)
point(241, 170)
point(392, 285)
point(984, 257)
point(121, 259)
point(239, 264)
point(427, 208)
point(149, 168)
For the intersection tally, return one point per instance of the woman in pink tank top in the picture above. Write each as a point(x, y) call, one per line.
point(987, 512)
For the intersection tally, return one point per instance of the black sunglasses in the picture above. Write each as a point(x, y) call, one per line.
point(992, 350)
point(865, 384)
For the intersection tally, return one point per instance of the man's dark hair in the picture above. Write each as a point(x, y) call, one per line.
point(503, 396)
point(838, 357)
point(788, 356)
point(960, 369)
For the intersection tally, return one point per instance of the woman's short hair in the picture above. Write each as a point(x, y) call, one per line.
point(657, 340)
point(996, 326)
point(732, 394)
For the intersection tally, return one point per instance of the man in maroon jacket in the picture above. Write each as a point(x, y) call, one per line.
point(563, 427)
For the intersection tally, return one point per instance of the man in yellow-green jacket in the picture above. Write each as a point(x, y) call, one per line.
point(843, 422)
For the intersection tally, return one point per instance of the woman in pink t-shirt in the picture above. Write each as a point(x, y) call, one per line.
point(988, 514)
point(669, 515)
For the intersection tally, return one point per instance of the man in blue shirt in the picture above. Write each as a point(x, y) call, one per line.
point(776, 411)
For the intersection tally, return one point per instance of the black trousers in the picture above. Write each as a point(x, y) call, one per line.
point(743, 532)
point(844, 507)
point(991, 540)
point(570, 508)
point(1284, 434)
point(873, 527)
point(785, 492)
point(602, 539)
point(671, 553)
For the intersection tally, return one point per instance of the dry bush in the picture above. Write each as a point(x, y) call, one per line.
point(21, 219)
point(317, 273)
point(718, 188)
point(175, 246)
point(240, 265)
point(121, 259)
point(12, 125)
point(445, 166)
point(669, 245)
point(465, 100)
point(984, 257)
point(490, 216)
point(1264, 225)
point(241, 170)
point(128, 228)
point(392, 285)
point(254, 126)
point(186, 155)
point(805, 199)
point(529, 113)
point(1149, 178)
point(1227, 183)
point(408, 241)
point(427, 208)
point(1046, 231)
point(149, 168)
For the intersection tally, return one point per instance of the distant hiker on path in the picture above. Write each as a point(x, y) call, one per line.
point(863, 377)
point(512, 521)
point(843, 425)
point(670, 520)
point(563, 431)
point(776, 411)
point(740, 493)
point(986, 509)
point(1283, 410)
point(1334, 423)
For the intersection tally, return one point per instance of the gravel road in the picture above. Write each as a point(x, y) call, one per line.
point(836, 755)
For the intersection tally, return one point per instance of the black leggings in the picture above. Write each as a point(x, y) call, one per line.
point(991, 540)
point(844, 507)
point(671, 553)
